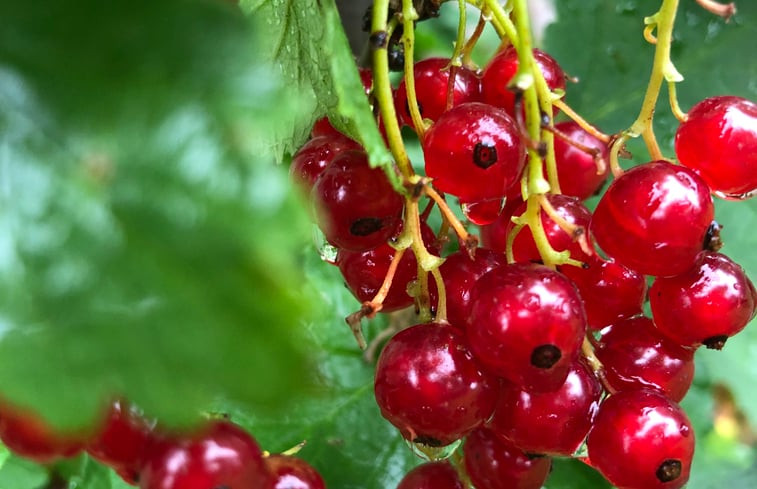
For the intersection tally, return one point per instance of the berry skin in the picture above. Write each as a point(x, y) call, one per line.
point(219, 455)
point(577, 169)
point(502, 68)
point(707, 304)
point(431, 81)
point(293, 473)
point(719, 141)
point(494, 234)
point(29, 436)
point(642, 440)
point(654, 218)
point(552, 423)
point(571, 210)
point(609, 290)
point(430, 387)
point(310, 161)
point(474, 152)
point(495, 463)
point(356, 207)
point(527, 324)
point(434, 475)
point(122, 441)
point(635, 356)
point(460, 273)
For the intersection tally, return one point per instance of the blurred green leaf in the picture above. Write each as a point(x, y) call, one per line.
point(146, 242)
point(17, 473)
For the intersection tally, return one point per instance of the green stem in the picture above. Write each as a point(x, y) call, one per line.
point(409, 15)
point(503, 20)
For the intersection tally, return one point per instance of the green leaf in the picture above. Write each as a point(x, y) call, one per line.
point(146, 243)
point(17, 473)
point(306, 39)
point(572, 474)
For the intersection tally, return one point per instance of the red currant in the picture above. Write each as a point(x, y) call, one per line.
point(431, 81)
point(494, 234)
point(707, 304)
point(460, 273)
point(219, 455)
point(430, 387)
point(122, 441)
point(609, 290)
point(576, 169)
point(474, 152)
point(434, 475)
point(554, 423)
point(495, 463)
point(719, 141)
point(356, 206)
point(654, 218)
point(310, 161)
point(642, 440)
point(502, 68)
point(293, 473)
point(635, 355)
point(527, 324)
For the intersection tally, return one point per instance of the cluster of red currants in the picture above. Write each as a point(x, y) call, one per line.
point(218, 454)
point(533, 362)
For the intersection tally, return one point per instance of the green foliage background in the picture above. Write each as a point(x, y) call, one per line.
point(150, 246)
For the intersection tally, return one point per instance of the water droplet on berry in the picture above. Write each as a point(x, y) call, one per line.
point(483, 213)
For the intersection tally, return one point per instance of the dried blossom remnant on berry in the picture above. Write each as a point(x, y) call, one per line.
point(484, 155)
point(716, 342)
point(545, 356)
point(669, 470)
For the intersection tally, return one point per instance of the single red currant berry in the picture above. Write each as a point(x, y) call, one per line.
point(609, 290)
point(495, 463)
point(293, 473)
point(460, 273)
point(221, 455)
point(356, 206)
point(430, 387)
point(310, 161)
point(502, 68)
point(553, 423)
point(642, 440)
point(635, 355)
point(718, 140)
point(527, 324)
point(474, 152)
point(431, 83)
point(577, 170)
point(707, 304)
point(434, 475)
point(122, 441)
point(654, 218)
point(494, 234)
point(572, 211)
point(27, 435)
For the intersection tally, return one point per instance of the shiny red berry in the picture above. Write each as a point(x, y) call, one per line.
point(707, 304)
point(434, 475)
point(219, 455)
point(495, 463)
point(293, 473)
point(502, 68)
point(494, 234)
point(636, 355)
point(310, 161)
point(577, 169)
point(718, 140)
point(642, 440)
point(26, 434)
point(552, 423)
point(527, 324)
point(460, 273)
point(431, 81)
point(572, 211)
point(356, 207)
point(430, 387)
point(609, 290)
point(654, 218)
point(122, 441)
point(474, 152)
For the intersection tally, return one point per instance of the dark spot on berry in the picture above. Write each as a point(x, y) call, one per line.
point(712, 241)
point(365, 226)
point(545, 356)
point(535, 456)
point(484, 155)
point(379, 39)
point(669, 470)
point(715, 342)
point(428, 440)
